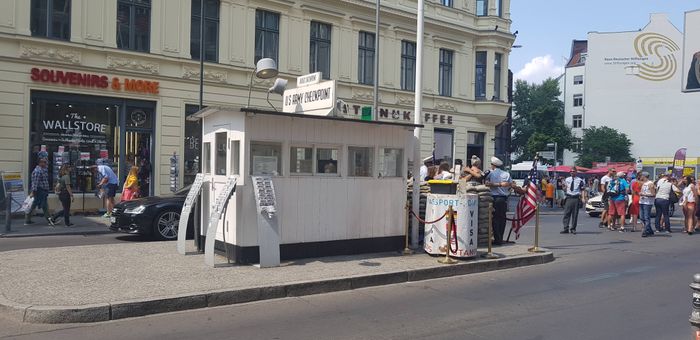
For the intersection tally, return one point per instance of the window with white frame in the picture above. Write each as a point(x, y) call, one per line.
point(577, 121)
point(206, 157)
point(365, 58)
point(265, 158)
point(235, 157)
point(320, 49)
point(391, 162)
point(578, 100)
point(578, 80)
point(445, 73)
point(447, 3)
point(301, 160)
point(482, 8)
point(220, 157)
point(360, 161)
point(327, 160)
point(408, 65)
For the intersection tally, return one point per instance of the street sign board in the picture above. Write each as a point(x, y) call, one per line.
point(309, 79)
point(546, 154)
point(317, 99)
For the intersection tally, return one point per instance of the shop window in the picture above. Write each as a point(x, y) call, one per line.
point(51, 19)
point(480, 76)
point(408, 65)
point(206, 158)
point(443, 139)
point(327, 161)
point(475, 146)
point(85, 130)
point(267, 32)
point(192, 156)
point(445, 81)
point(211, 29)
point(235, 157)
point(365, 59)
point(391, 163)
point(360, 161)
point(265, 158)
point(220, 138)
point(301, 160)
point(320, 49)
point(134, 25)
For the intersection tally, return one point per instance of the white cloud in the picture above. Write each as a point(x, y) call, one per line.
point(539, 69)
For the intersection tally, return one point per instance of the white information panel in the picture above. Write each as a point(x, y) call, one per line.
point(268, 227)
point(221, 201)
point(190, 200)
point(466, 208)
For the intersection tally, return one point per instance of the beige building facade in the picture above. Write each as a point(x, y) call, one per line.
point(114, 79)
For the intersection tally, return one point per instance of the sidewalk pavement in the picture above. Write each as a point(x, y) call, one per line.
point(108, 282)
point(82, 224)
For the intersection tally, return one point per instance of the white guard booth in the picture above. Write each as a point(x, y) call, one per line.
point(339, 184)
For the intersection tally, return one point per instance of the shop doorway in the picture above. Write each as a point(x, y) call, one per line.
point(137, 144)
point(475, 146)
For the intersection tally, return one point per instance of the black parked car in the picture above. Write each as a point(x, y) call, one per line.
point(157, 216)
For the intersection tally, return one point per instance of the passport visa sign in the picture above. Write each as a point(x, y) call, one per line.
point(466, 207)
point(13, 184)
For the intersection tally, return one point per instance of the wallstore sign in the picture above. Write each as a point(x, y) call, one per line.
point(91, 80)
point(355, 111)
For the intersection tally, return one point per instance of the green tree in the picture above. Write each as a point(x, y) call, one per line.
point(538, 119)
point(600, 142)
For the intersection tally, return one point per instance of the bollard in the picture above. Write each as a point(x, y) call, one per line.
point(536, 247)
point(490, 254)
point(8, 213)
point(695, 314)
point(406, 249)
point(450, 218)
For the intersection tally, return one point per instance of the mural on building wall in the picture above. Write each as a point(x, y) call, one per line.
point(656, 52)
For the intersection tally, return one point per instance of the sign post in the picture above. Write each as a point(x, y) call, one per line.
point(268, 226)
point(219, 205)
point(14, 187)
point(317, 99)
point(190, 201)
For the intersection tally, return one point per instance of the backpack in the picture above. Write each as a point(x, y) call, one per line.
point(614, 188)
point(672, 196)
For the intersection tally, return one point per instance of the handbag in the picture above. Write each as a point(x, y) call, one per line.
point(27, 205)
point(672, 196)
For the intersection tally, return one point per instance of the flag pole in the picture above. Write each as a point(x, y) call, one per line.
point(418, 90)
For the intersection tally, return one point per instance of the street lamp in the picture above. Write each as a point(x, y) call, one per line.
point(556, 163)
point(266, 68)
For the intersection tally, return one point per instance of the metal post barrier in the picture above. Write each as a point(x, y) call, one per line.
point(406, 249)
point(450, 221)
point(8, 213)
point(490, 254)
point(695, 313)
point(536, 247)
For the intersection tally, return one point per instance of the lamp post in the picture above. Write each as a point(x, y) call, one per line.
point(556, 162)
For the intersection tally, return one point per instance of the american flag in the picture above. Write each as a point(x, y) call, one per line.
point(528, 202)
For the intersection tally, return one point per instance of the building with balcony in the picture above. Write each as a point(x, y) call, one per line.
point(115, 79)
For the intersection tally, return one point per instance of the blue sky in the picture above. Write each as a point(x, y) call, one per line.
point(547, 27)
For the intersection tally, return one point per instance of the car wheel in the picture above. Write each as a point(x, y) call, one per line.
point(165, 225)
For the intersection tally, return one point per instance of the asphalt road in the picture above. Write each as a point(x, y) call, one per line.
point(15, 243)
point(603, 285)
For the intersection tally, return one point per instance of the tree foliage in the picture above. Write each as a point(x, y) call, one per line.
point(538, 119)
point(600, 142)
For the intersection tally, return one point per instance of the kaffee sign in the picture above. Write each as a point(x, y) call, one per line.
point(355, 111)
point(91, 80)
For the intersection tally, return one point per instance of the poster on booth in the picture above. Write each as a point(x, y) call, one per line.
point(13, 184)
point(466, 209)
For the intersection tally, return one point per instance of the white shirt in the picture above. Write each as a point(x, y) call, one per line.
point(578, 186)
point(445, 175)
point(423, 172)
point(688, 195)
point(644, 192)
point(605, 181)
point(663, 189)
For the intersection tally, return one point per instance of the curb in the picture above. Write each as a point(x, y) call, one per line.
point(62, 233)
point(136, 308)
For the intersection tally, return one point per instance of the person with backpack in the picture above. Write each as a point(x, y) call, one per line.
point(665, 196)
point(617, 193)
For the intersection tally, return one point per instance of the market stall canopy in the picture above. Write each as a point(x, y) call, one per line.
point(566, 168)
point(597, 171)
